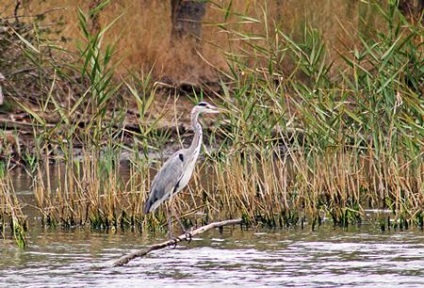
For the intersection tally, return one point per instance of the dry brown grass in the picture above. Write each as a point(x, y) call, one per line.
point(90, 193)
point(263, 184)
point(11, 214)
point(142, 33)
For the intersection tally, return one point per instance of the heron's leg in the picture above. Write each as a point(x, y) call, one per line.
point(168, 216)
point(170, 206)
point(186, 231)
point(177, 218)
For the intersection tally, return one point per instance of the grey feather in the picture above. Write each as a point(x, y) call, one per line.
point(177, 170)
point(165, 181)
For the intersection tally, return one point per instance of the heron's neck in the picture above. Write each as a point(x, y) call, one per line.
point(197, 140)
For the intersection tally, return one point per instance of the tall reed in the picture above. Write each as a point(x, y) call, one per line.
point(12, 217)
point(325, 139)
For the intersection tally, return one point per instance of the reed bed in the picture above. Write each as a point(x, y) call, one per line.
point(336, 134)
point(12, 218)
point(92, 193)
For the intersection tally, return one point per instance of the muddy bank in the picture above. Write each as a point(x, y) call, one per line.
point(169, 117)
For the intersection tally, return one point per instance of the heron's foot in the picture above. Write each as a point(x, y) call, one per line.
point(188, 236)
point(175, 242)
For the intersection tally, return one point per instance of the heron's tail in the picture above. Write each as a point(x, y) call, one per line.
point(154, 201)
point(151, 204)
point(147, 206)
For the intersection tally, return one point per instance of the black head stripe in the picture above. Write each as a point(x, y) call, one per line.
point(202, 104)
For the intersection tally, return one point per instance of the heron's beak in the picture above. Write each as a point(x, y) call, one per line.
point(213, 110)
point(223, 110)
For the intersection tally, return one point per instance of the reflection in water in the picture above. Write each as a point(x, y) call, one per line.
point(291, 258)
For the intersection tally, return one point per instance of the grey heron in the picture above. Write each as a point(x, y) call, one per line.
point(176, 172)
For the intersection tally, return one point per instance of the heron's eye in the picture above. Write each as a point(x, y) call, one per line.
point(202, 104)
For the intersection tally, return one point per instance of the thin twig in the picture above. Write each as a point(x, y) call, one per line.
point(18, 3)
point(140, 253)
point(17, 17)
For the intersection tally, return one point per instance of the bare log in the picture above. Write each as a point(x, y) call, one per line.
point(187, 237)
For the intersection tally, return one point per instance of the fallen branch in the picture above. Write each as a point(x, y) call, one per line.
point(140, 253)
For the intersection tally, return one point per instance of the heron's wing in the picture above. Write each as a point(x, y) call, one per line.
point(170, 174)
point(166, 180)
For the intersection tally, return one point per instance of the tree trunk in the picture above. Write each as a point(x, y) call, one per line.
point(412, 9)
point(1, 93)
point(187, 19)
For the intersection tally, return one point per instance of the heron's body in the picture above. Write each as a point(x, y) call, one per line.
point(177, 170)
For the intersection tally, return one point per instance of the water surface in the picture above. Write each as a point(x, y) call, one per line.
point(328, 257)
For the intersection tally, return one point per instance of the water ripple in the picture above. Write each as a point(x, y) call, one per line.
point(330, 258)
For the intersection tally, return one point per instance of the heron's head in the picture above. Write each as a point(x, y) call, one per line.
point(204, 107)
